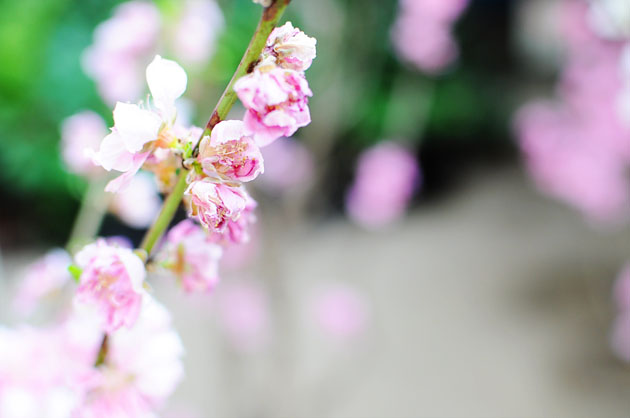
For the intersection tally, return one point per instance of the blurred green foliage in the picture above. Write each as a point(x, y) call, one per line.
point(363, 94)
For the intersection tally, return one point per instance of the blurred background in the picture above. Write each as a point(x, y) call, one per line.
point(446, 238)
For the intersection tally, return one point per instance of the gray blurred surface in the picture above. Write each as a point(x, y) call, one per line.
point(494, 302)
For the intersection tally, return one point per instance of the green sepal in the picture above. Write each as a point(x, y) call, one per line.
point(75, 271)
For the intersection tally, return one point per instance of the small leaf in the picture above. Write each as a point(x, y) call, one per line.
point(75, 271)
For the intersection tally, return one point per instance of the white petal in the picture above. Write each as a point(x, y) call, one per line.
point(226, 131)
point(167, 81)
point(135, 125)
point(112, 154)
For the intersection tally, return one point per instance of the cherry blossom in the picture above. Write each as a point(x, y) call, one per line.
point(230, 153)
point(192, 256)
point(290, 48)
point(142, 368)
point(138, 130)
point(214, 205)
point(112, 280)
point(422, 33)
point(80, 132)
point(386, 177)
point(276, 102)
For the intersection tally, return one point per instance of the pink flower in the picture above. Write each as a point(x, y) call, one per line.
point(215, 205)
point(139, 203)
point(142, 368)
point(422, 33)
point(230, 153)
point(386, 177)
point(79, 133)
point(120, 45)
point(290, 48)
point(43, 278)
point(197, 30)
point(112, 280)
point(340, 311)
point(192, 256)
point(136, 130)
point(576, 147)
point(243, 310)
point(276, 102)
point(238, 229)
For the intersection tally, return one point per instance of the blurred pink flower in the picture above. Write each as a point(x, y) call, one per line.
point(142, 368)
point(340, 311)
point(230, 152)
point(43, 278)
point(215, 205)
point(139, 203)
point(112, 280)
point(577, 149)
point(192, 256)
point(385, 179)
point(243, 310)
point(79, 133)
point(121, 43)
point(276, 102)
point(289, 165)
point(422, 33)
point(197, 30)
point(290, 48)
point(136, 130)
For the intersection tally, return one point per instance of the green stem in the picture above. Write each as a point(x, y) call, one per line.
point(166, 214)
point(93, 207)
point(267, 23)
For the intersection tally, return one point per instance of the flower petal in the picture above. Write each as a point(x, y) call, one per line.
point(226, 131)
point(167, 81)
point(112, 154)
point(124, 179)
point(135, 125)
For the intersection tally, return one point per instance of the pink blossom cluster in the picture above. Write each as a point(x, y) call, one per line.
point(125, 42)
point(620, 337)
point(51, 371)
point(577, 145)
point(422, 33)
point(385, 180)
point(275, 95)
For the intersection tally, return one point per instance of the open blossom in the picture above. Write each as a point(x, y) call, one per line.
point(142, 368)
point(290, 48)
point(43, 278)
point(276, 100)
point(191, 254)
point(80, 132)
point(111, 279)
point(137, 130)
point(214, 205)
point(230, 152)
point(238, 228)
point(121, 44)
point(386, 177)
point(422, 33)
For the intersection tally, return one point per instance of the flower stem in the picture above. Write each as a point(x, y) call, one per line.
point(267, 23)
